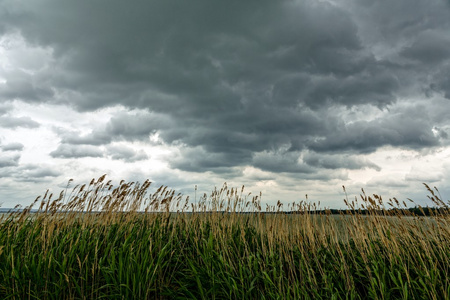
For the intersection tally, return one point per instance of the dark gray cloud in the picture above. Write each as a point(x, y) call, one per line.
point(441, 133)
point(377, 24)
point(410, 128)
point(197, 159)
point(442, 82)
point(21, 86)
point(416, 30)
point(239, 83)
point(202, 57)
point(429, 47)
point(281, 162)
point(12, 147)
point(76, 151)
point(136, 125)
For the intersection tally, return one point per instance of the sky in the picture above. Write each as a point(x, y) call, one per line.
point(289, 98)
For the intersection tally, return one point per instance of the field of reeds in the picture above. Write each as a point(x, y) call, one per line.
point(99, 241)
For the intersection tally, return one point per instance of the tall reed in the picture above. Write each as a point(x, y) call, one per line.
point(101, 241)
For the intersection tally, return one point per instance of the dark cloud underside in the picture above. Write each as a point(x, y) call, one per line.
point(236, 83)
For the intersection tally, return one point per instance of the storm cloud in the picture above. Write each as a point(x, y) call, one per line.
point(308, 89)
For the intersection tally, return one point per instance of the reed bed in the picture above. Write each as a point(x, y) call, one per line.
point(99, 241)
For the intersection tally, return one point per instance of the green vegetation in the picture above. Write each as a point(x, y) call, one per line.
point(122, 243)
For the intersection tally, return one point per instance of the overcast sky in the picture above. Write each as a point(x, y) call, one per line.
point(287, 97)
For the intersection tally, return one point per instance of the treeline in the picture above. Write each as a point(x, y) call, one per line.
point(412, 211)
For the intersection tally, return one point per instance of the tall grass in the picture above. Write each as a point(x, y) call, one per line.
point(100, 241)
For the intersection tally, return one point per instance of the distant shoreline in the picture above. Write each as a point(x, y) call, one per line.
point(416, 211)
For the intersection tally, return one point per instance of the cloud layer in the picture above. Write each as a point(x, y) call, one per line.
point(309, 90)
